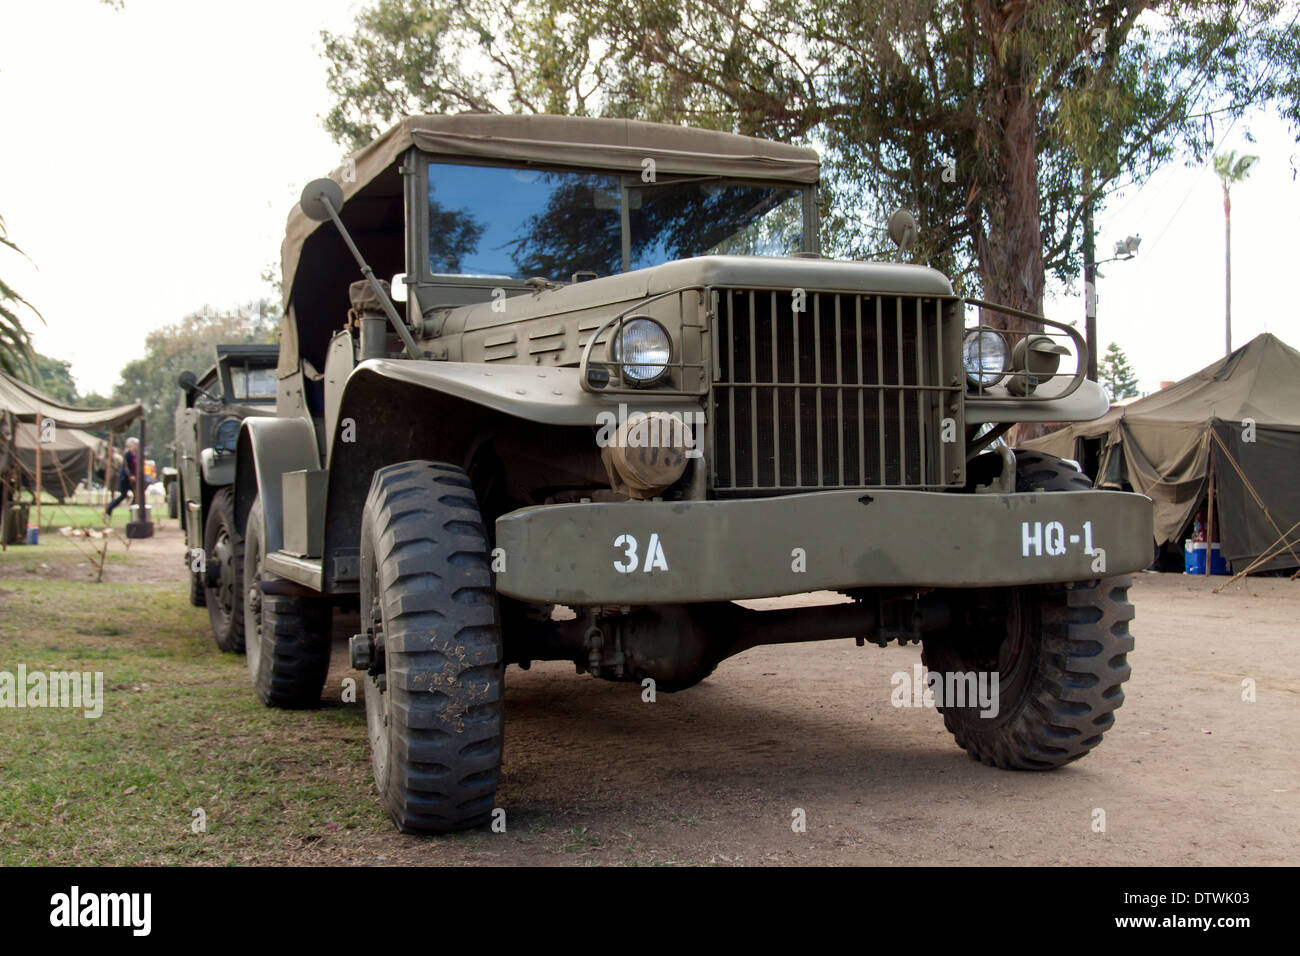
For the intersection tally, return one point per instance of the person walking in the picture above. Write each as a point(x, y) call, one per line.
point(125, 478)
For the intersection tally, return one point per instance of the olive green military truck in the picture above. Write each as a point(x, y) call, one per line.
point(240, 383)
point(613, 374)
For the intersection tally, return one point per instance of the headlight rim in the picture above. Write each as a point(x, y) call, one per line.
point(616, 353)
point(217, 444)
point(975, 379)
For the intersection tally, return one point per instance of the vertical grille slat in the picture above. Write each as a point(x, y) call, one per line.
point(793, 408)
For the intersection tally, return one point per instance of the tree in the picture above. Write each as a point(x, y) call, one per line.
point(1117, 376)
point(187, 344)
point(1230, 169)
point(979, 115)
point(15, 340)
point(54, 378)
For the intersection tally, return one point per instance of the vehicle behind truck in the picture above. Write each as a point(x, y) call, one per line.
point(240, 383)
point(613, 373)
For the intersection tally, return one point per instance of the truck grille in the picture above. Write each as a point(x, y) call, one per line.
point(849, 392)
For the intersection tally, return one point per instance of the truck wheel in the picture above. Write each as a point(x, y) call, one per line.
point(288, 636)
point(173, 501)
point(1059, 656)
point(223, 547)
point(1059, 653)
point(434, 710)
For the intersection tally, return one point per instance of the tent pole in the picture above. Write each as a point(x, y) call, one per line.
point(1209, 513)
point(108, 467)
point(38, 472)
point(4, 504)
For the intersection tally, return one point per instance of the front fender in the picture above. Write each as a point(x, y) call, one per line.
point(549, 396)
point(268, 447)
point(217, 470)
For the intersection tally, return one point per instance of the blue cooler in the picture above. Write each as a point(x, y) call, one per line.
point(1194, 558)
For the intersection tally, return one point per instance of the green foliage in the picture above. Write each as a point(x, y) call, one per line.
point(1231, 168)
point(54, 378)
point(187, 344)
point(978, 117)
point(1117, 376)
point(15, 340)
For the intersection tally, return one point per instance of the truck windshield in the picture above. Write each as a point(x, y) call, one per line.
point(251, 384)
point(501, 223)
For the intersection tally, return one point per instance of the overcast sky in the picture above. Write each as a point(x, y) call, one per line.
point(151, 154)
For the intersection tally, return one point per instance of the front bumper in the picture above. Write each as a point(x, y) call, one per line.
point(686, 551)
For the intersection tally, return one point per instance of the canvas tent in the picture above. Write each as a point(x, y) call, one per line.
point(23, 408)
point(65, 461)
point(28, 405)
point(1236, 422)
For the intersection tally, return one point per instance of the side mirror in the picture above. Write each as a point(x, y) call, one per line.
point(902, 229)
point(320, 196)
point(187, 381)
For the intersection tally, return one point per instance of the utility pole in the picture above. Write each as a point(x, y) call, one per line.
point(1227, 273)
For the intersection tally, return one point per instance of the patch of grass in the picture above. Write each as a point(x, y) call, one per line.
point(180, 732)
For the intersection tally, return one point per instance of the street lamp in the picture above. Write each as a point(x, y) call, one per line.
point(1124, 249)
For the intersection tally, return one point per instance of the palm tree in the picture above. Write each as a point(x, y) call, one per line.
point(15, 341)
point(1231, 168)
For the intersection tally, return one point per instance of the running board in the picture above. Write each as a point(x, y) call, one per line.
point(304, 571)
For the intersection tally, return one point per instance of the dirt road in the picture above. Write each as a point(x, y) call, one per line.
point(1191, 774)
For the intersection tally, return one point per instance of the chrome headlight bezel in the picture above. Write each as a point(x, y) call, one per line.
point(639, 368)
point(991, 345)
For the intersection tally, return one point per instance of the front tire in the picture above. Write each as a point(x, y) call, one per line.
point(434, 708)
point(223, 547)
point(1059, 656)
point(288, 636)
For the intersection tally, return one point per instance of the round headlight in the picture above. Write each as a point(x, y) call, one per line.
point(644, 350)
point(227, 436)
point(986, 357)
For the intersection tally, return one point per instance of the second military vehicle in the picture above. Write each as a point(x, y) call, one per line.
point(625, 381)
point(240, 383)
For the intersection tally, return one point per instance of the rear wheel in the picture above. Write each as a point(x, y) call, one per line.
point(222, 579)
point(288, 636)
point(431, 648)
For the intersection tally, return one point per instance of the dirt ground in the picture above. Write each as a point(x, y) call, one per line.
point(1190, 774)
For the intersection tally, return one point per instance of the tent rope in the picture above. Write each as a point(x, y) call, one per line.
point(1268, 554)
point(1251, 488)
